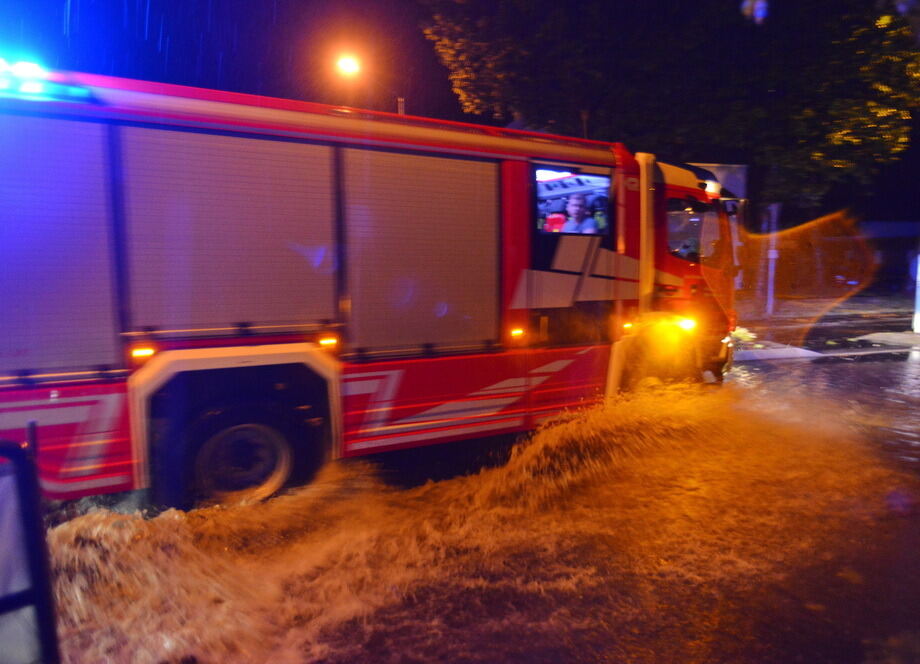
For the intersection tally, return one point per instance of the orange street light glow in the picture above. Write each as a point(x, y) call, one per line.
point(348, 65)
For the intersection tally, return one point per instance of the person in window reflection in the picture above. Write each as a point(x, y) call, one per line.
point(576, 208)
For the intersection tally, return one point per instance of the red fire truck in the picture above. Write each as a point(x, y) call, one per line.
point(208, 293)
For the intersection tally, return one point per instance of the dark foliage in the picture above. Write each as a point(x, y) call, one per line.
point(819, 95)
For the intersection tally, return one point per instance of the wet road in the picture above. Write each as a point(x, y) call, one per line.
point(878, 392)
point(773, 520)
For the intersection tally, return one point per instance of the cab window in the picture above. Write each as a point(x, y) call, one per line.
point(693, 229)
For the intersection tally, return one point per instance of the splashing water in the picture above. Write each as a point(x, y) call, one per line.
point(637, 532)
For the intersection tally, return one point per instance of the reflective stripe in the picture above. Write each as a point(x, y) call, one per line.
point(50, 415)
point(83, 485)
point(465, 415)
point(87, 449)
point(503, 423)
point(381, 385)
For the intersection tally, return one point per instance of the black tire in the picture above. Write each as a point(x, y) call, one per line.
point(236, 454)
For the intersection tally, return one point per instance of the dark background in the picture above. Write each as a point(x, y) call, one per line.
point(286, 48)
point(282, 48)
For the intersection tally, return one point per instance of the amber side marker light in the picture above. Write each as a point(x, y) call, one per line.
point(626, 326)
point(142, 353)
point(517, 333)
point(328, 342)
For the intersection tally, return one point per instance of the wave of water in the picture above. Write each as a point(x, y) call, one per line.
point(637, 532)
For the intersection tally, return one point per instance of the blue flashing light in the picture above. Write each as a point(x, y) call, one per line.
point(32, 87)
point(756, 10)
point(27, 70)
point(29, 80)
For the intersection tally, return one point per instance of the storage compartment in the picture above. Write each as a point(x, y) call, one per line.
point(422, 246)
point(55, 242)
point(223, 230)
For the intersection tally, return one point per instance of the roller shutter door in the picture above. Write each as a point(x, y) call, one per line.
point(55, 267)
point(422, 246)
point(224, 230)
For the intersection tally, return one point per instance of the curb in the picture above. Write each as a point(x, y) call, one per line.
point(909, 339)
point(775, 352)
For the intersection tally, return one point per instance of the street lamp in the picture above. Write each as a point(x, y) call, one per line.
point(349, 66)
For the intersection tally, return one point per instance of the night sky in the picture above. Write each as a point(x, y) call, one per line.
point(286, 48)
point(281, 48)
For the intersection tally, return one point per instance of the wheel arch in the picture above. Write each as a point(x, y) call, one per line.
point(229, 374)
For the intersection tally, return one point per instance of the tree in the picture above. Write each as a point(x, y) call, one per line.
point(819, 94)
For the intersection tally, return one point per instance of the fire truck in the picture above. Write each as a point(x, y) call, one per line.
point(209, 294)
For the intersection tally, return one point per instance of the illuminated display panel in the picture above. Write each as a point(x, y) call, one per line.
point(572, 201)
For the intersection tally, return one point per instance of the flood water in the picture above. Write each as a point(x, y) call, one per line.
point(766, 521)
point(879, 392)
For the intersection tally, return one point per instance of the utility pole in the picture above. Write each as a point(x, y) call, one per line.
point(916, 325)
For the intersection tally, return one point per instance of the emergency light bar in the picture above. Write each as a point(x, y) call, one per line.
point(29, 80)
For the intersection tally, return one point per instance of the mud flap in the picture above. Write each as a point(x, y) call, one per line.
point(617, 364)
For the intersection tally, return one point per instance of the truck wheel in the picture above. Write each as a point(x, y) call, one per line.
point(242, 461)
point(235, 454)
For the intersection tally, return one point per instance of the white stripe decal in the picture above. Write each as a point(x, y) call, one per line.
point(96, 417)
point(537, 289)
point(97, 483)
point(466, 408)
point(382, 386)
point(512, 384)
point(445, 414)
point(572, 252)
point(50, 415)
point(611, 264)
point(552, 367)
point(96, 413)
point(431, 435)
point(400, 429)
point(97, 428)
point(51, 401)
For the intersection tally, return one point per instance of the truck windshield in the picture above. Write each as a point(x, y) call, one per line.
point(693, 229)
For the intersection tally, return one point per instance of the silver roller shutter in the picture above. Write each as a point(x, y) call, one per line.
point(422, 247)
point(224, 230)
point(55, 267)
